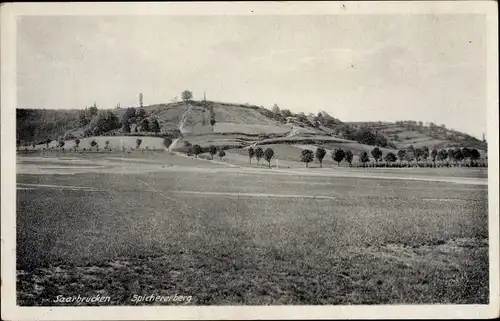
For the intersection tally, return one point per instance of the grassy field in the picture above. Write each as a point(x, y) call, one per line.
point(239, 237)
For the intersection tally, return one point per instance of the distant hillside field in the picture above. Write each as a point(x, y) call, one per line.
point(406, 133)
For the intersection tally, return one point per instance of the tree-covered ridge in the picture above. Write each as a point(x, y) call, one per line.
point(36, 125)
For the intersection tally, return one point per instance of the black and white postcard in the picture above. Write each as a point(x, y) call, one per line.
point(246, 160)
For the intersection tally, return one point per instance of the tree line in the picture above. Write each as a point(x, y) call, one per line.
point(410, 157)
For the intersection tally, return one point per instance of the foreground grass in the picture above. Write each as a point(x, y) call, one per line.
point(375, 241)
point(453, 272)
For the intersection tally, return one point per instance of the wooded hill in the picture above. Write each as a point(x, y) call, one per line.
point(208, 119)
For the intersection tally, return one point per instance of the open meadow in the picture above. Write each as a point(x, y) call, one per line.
point(224, 233)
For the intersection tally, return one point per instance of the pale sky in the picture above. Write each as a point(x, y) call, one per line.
point(355, 67)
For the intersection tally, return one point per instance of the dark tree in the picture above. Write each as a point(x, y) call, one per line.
point(348, 157)
point(259, 153)
point(222, 153)
point(61, 143)
point(320, 119)
point(251, 154)
point(197, 150)
point(104, 122)
point(93, 110)
point(401, 155)
point(434, 155)
point(364, 158)
point(451, 155)
point(141, 102)
point(155, 126)
point(302, 117)
point(474, 155)
point(106, 145)
point(365, 135)
point(286, 113)
point(94, 143)
point(141, 114)
point(425, 153)
point(167, 141)
point(320, 154)
point(268, 155)
point(338, 155)
point(187, 96)
point(442, 155)
point(145, 126)
point(307, 156)
point(126, 128)
point(410, 156)
point(83, 119)
point(138, 142)
point(377, 154)
point(458, 155)
point(212, 150)
point(418, 154)
point(466, 153)
point(128, 116)
point(390, 157)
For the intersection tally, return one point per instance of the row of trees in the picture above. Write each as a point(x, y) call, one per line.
point(258, 153)
point(338, 155)
point(423, 154)
point(408, 155)
point(196, 150)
